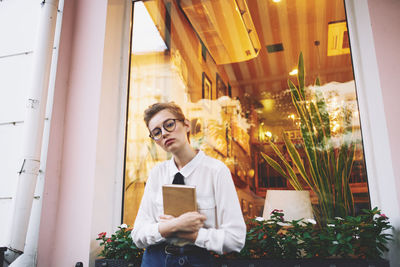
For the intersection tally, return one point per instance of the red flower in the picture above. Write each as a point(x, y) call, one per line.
point(109, 240)
point(103, 234)
point(384, 216)
point(276, 210)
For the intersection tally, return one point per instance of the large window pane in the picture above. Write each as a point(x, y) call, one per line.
point(227, 64)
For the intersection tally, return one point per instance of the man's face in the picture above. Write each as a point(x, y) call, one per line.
point(172, 140)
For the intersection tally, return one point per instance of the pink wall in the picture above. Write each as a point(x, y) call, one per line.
point(68, 197)
point(385, 23)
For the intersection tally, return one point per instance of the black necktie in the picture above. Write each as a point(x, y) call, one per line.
point(178, 179)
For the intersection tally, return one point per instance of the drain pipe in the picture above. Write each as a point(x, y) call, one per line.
point(33, 129)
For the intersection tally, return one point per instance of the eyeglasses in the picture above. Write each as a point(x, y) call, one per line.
point(169, 125)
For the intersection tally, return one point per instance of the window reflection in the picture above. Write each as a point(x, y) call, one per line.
point(233, 86)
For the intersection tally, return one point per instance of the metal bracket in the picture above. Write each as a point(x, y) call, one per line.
point(33, 103)
point(22, 167)
point(30, 166)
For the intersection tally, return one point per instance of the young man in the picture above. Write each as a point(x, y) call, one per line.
point(186, 240)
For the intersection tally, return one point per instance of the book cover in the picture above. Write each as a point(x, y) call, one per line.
point(178, 199)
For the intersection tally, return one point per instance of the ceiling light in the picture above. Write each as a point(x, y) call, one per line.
point(268, 104)
point(225, 44)
point(293, 72)
point(276, 1)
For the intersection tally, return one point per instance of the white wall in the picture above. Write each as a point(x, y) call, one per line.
point(18, 24)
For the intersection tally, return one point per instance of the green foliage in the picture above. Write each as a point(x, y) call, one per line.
point(328, 163)
point(365, 237)
point(120, 246)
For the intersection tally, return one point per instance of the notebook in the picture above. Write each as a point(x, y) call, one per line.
point(179, 199)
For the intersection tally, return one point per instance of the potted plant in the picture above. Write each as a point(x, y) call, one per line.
point(119, 250)
point(329, 156)
point(349, 241)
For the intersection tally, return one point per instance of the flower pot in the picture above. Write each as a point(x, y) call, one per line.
point(301, 263)
point(114, 263)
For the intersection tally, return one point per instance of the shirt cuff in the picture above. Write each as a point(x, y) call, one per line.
point(201, 238)
point(156, 234)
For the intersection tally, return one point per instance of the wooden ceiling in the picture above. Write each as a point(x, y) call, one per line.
point(299, 25)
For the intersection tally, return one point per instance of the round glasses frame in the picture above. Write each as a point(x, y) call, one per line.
point(169, 125)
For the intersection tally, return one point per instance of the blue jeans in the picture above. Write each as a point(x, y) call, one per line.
point(155, 256)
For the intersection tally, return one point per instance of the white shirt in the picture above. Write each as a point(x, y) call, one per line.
point(223, 231)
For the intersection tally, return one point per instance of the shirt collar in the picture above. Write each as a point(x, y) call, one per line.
point(188, 168)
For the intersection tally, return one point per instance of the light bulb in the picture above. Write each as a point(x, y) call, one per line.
point(294, 72)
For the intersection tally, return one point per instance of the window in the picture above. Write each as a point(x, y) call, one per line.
point(227, 64)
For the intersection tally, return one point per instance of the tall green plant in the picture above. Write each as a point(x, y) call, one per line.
point(329, 164)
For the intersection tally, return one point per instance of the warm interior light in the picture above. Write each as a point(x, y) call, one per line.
point(276, 1)
point(338, 39)
point(268, 104)
point(293, 72)
point(250, 173)
point(269, 134)
point(229, 38)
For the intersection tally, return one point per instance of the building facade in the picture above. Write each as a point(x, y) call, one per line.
point(84, 177)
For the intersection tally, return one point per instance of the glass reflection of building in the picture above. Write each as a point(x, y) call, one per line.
point(226, 63)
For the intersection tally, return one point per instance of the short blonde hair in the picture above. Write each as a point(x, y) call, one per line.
point(152, 110)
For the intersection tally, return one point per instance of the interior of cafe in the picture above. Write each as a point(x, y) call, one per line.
point(227, 64)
